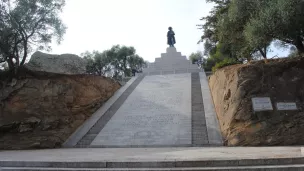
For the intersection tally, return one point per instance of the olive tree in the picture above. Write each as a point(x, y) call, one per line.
point(26, 25)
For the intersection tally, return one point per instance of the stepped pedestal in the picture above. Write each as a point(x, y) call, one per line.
point(171, 62)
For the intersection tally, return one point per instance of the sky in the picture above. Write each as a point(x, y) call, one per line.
point(143, 24)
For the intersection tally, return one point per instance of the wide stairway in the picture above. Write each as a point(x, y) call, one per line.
point(163, 119)
point(155, 159)
point(169, 105)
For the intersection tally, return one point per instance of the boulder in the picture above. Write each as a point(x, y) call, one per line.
point(60, 64)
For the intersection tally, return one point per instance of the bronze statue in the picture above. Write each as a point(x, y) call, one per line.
point(171, 37)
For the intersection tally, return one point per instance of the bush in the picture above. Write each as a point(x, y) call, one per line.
point(225, 62)
point(208, 64)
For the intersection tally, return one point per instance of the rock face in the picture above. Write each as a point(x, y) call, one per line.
point(232, 89)
point(61, 64)
point(42, 111)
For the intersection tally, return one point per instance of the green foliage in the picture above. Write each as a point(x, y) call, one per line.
point(210, 62)
point(119, 60)
point(195, 57)
point(239, 30)
point(97, 62)
point(219, 54)
point(223, 63)
point(285, 22)
point(28, 24)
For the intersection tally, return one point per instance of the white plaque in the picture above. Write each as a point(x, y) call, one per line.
point(261, 104)
point(287, 106)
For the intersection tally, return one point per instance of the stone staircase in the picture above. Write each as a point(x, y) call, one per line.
point(171, 62)
point(182, 165)
point(195, 146)
point(155, 159)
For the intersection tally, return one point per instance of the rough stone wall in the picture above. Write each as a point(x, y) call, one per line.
point(42, 111)
point(233, 87)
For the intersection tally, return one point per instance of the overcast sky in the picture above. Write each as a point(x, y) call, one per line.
point(143, 24)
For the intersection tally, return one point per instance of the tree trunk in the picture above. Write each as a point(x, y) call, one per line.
point(249, 58)
point(24, 53)
point(262, 53)
point(11, 67)
point(299, 44)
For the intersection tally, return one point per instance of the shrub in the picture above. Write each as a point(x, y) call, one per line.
point(223, 63)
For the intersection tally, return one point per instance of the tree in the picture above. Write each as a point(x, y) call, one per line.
point(240, 13)
point(118, 60)
point(243, 30)
point(25, 25)
point(210, 29)
point(196, 57)
point(285, 22)
point(97, 62)
point(216, 30)
point(124, 59)
point(136, 62)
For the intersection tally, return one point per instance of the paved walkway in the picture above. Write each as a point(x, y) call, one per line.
point(158, 112)
point(154, 111)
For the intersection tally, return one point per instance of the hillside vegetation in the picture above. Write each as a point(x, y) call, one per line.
point(238, 31)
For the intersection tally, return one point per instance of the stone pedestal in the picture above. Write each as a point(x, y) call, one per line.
point(171, 62)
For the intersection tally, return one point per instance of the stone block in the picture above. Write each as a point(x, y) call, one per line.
point(179, 71)
point(167, 72)
point(171, 60)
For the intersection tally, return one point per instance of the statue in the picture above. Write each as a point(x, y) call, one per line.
point(171, 37)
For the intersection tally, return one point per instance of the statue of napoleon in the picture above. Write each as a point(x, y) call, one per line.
point(171, 37)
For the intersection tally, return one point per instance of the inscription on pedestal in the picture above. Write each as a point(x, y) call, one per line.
point(261, 104)
point(287, 106)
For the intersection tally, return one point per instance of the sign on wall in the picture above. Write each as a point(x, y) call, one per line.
point(287, 106)
point(261, 104)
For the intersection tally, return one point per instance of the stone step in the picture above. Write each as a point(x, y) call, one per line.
point(235, 168)
point(156, 164)
point(191, 158)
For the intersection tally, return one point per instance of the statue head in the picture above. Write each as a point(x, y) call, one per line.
point(170, 28)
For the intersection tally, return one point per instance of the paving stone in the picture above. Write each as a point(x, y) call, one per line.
point(199, 130)
point(213, 128)
point(87, 139)
point(156, 113)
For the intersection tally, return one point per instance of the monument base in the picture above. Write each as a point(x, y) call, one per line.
point(171, 62)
